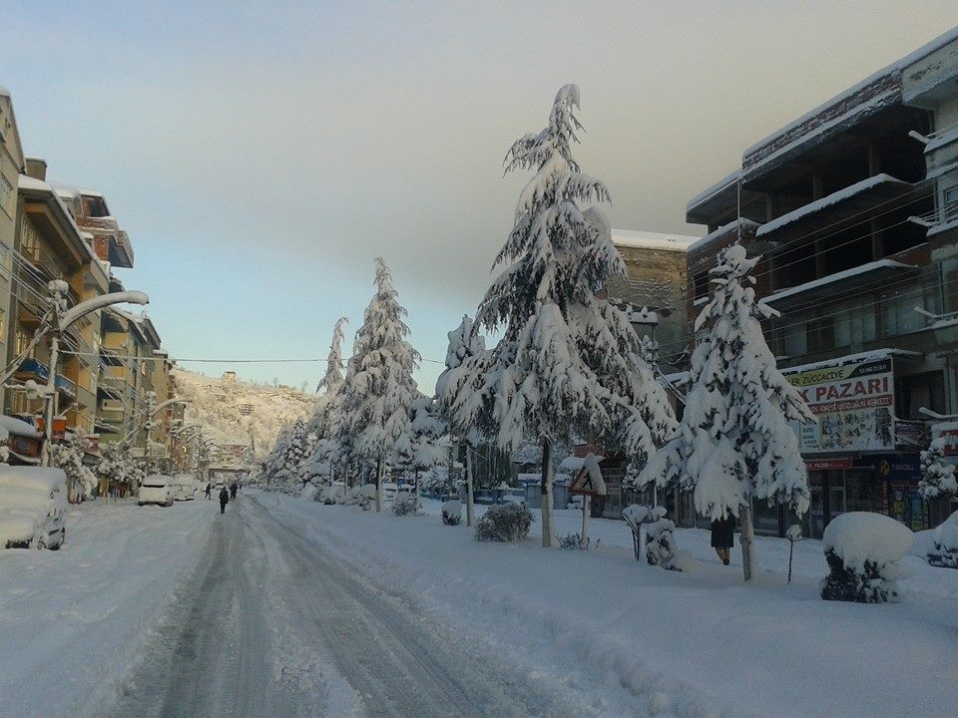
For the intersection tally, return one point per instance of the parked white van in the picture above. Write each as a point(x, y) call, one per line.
point(33, 506)
point(156, 489)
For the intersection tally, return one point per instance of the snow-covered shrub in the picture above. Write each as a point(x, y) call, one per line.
point(863, 550)
point(945, 552)
point(405, 506)
point(330, 495)
point(451, 513)
point(635, 515)
point(505, 522)
point(660, 547)
point(80, 479)
point(573, 542)
point(363, 496)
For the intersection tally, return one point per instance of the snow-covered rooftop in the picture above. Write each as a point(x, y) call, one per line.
point(894, 67)
point(707, 193)
point(651, 240)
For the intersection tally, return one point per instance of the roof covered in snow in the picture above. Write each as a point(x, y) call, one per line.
point(651, 240)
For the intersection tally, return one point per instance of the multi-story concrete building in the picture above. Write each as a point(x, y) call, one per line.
point(655, 290)
point(12, 164)
point(852, 208)
point(49, 246)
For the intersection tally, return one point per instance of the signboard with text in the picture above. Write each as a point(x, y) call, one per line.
point(854, 404)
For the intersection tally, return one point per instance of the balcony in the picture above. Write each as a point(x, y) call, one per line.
point(65, 386)
point(852, 281)
point(838, 210)
point(30, 368)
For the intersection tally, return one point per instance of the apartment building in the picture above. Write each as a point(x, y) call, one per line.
point(852, 208)
point(11, 166)
point(49, 246)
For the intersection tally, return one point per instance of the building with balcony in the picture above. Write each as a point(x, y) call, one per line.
point(48, 246)
point(12, 164)
point(852, 209)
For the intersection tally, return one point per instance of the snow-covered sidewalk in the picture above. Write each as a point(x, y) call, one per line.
point(651, 642)
point(73, 622)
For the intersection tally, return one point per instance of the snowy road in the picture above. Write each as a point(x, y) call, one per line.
point(274, 624)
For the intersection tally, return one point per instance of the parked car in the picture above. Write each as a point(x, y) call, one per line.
point(156, 489)
point(514, 496)
point(33, 506)
point(184, 487)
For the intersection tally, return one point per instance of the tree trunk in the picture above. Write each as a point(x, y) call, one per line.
point(747, 539)
point(586, 510)
point(470, 505)
point(546, 489)
point(379, 485)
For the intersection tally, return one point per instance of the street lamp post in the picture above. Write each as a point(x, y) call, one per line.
point(62, 320)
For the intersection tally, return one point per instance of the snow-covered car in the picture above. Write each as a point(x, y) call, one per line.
point(184, 487)
point(156, 489)
point(33, 506)
point(514, 496)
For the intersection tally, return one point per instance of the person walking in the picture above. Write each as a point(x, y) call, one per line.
point(209, 489)
point(224, 499)
point(723, 537)
point(233, 489)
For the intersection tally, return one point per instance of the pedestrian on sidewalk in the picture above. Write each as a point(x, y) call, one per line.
point(723, 537)
point(224, 499)
point(233, 489)
point(209, 489)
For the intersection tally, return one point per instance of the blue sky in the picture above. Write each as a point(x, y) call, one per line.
point(261, 154)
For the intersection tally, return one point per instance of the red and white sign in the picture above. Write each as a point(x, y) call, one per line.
point(854, 403)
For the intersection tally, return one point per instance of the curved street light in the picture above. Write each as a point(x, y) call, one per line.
point(62, 320)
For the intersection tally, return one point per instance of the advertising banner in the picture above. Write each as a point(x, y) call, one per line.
point(854, 404)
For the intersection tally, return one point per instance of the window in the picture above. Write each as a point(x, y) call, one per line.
point(6, 192)
point(949, 205)
point(855, 327)
point(21, 341)
point(30, 242)
point(898, 315)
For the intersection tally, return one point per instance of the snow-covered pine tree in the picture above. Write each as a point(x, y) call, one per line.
point(419, 449)
point(319, 466)
point(464, 343)
point(568, 364)
point(937, 477)
point(379, 390)
point(734, 443)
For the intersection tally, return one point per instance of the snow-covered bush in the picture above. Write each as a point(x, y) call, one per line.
point(451, 513)
point(660, 547)
point(863, 550)
point(363, 496)
point(330, 495)
point(572, 542)
point(945, 552)
point(505, 522)
point(405, 506)
point(80, 479)
point(635, 515)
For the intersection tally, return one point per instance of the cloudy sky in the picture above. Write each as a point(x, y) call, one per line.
point(261, 154)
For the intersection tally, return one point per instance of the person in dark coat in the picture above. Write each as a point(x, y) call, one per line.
point(209, 488)
point(723, 537)
point(224, 499)
point(233, 489)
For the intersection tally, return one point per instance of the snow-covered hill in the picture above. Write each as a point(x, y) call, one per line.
point(235, 412)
